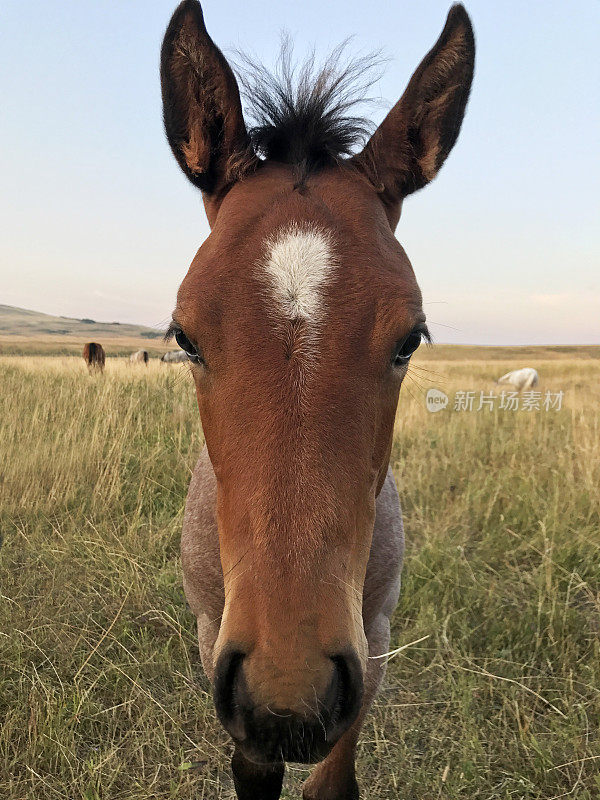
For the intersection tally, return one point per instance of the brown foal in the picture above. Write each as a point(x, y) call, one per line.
point(299, 315)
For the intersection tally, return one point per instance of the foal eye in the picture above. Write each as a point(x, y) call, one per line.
point(189, 349)
point(406, 347)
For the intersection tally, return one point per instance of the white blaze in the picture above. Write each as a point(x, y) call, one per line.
point(299, 262)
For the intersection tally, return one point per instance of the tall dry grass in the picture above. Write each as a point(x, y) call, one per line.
point(101, 690)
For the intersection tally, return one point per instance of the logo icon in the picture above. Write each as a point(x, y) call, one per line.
point(436, 400)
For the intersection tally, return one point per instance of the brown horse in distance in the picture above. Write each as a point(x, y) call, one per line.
point(94, 357)
point(299, 315)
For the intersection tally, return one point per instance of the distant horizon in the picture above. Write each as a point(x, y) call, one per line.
point(162, 329)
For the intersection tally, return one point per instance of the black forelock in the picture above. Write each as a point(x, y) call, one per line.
point(306, 116)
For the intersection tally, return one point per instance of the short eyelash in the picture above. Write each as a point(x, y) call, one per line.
point(425, 335)
point(171, 331)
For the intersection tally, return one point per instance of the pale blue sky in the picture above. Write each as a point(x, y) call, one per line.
point(98, 221)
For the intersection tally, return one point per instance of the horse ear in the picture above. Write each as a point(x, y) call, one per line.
point(413, 141)
point(201, 105)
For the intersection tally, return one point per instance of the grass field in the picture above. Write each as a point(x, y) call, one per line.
point(102, 696)
point(66, 345)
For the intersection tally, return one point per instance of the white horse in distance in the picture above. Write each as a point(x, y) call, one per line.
point(174, 357)
point(521, 379)
point(139, 357)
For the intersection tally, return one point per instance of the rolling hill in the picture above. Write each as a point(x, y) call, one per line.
point(22, 322)
point(25, 332)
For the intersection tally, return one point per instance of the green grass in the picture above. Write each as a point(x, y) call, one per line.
point(102, 695)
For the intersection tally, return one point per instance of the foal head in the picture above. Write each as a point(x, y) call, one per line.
point(299, 314)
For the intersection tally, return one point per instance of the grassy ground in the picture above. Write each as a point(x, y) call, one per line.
point(101, 691)
point(72, 345)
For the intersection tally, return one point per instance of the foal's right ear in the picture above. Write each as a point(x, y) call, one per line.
point(201, 105)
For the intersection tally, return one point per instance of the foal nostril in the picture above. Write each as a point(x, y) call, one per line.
point(344, 696)
point(228, 690)
point(268, 733)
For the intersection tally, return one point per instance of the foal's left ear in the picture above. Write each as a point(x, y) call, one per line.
point(412, 142)
point(201, 105)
